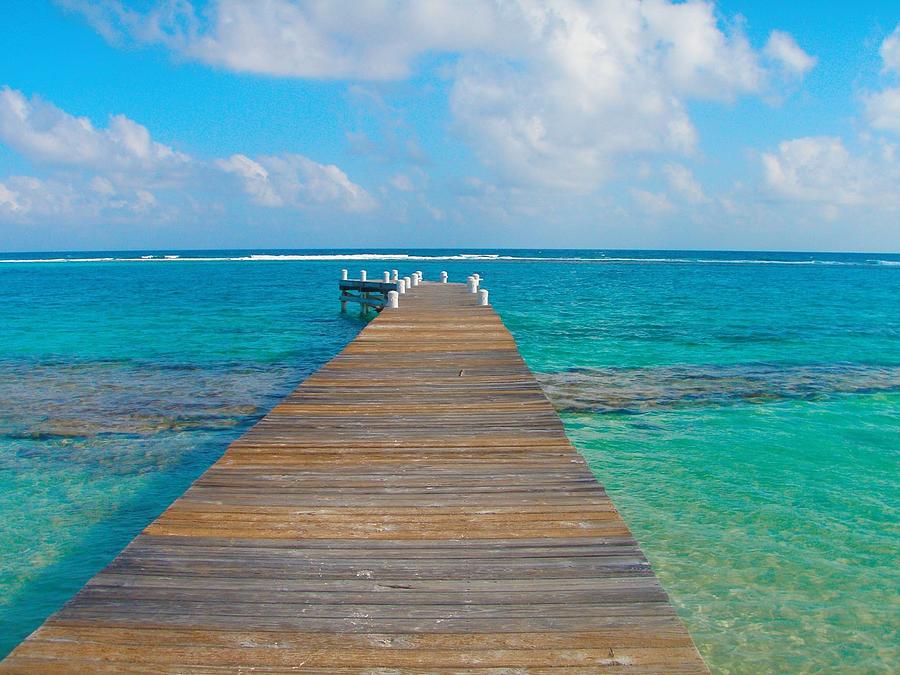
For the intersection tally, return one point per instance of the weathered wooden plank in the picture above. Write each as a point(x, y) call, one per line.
point(368, 286)
point(413, 506)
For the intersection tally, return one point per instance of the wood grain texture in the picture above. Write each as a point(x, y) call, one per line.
point(413, 506)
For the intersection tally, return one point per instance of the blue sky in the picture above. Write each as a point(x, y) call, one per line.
point(547, 123)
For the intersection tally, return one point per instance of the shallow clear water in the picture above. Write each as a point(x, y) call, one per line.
point(742, 409)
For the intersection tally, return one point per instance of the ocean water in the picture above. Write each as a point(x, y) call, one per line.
point(743, 410)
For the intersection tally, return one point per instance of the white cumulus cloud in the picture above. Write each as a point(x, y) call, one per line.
point(119, 171)
point(823, 170)
point(883, 109)
point(32, 199)
point(296, 181)
point(109, 174)
point(548, 92)
point(592, 82)
point(42, 132)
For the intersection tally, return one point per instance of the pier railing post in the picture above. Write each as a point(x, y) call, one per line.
point(443, 277)
point(473, 286)
point(408, 282)
point(343, 275)
point(401, 286)
point(393, 300)
point(483, 297)
point(363, 275)
point(395, 275)
point(387, 277)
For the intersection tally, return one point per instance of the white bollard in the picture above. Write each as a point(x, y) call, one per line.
point(419, 274)
point(415, 278)
point(483, 297)
point(363, 275)
point(387, 277)
point(343, 275)
point(401, 286)
point(443, 277)
point(394, 300)
point(477, 276)
point(408, 282)
point(473, 285)
point(395, 275)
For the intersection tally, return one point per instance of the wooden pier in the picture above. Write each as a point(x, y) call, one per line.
point(414, 506)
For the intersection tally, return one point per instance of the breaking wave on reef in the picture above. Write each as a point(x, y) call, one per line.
point(546, 257)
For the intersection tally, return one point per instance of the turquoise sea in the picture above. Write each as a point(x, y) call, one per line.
point(742, 409)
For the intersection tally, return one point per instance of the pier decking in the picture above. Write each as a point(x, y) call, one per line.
point(413, 506)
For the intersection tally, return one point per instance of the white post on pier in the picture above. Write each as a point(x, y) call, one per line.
point(419, 274)
point(443, 277)
point(395, 275)
point(408, 282)
point(477, 278)
point(387, 276)
point(343, 275)
point(473, 285)
point(415, 278)
point(363, 275)
point(393, 300)
point(483, 298)
point(401, 286)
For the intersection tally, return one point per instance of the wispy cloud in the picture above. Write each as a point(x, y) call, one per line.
point(296, 181)
point(682, 181)
point(890, 51)
point(363, 40)
point(883, 107)
point(783, 49)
